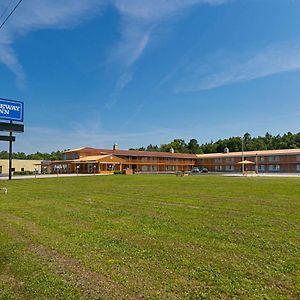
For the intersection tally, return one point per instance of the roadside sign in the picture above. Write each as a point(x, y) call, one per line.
point(11, 127)
point(7, 138)
point(11, 110)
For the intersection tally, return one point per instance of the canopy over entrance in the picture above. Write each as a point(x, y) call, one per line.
point(98, 163)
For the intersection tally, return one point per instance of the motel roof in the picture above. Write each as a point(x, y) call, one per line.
point(95, 151)
point(132, 153)
point(96, 158)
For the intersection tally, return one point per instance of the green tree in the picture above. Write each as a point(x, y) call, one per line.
point(193, 146)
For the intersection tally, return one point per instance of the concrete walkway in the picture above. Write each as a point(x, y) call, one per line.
point(262, 175)
point(49, 176)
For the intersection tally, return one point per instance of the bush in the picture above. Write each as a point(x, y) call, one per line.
point(24, 173)
point(119, 172)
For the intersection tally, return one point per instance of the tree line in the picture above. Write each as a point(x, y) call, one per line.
point(37, 156)
point(266, 142)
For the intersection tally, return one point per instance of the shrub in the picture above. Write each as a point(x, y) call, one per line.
point(118, 172)
point(24, 173)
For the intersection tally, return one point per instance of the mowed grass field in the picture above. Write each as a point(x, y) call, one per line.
point(150, 237)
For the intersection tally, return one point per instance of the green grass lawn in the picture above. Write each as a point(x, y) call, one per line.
point(157, 237)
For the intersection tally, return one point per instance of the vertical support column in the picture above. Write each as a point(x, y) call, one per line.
point(243, 158)
point(10, 156)
point(256, 163)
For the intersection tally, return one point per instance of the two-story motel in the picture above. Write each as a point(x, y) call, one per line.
point(92, 160)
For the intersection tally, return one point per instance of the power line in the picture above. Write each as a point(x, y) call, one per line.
point(6, 9)
point(10, 14)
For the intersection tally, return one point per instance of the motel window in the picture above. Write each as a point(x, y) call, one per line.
point(298, 157)
point(22, 169)
point(262, 168)
point(229, 159)
point(274, 168)
point(229, 168)
point(218, 168)
point(273, 158)
point(298, 168)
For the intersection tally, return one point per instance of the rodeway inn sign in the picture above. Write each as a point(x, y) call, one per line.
point(11, 110)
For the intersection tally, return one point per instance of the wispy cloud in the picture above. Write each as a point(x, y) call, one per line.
point(139, 21)
point(121, 83)
point(38, 14)
point(9, 59)
point(229, 68)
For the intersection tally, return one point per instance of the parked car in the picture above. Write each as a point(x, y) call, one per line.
point(197, 170)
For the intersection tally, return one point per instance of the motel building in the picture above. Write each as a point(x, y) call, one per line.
point(91, 160)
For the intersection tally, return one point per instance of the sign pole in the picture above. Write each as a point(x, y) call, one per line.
point(10, 156)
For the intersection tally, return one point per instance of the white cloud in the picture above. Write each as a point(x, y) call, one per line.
point(8, 57)
point(221, 70)
point(38, 14)
point(122, 82)
point(141, 18)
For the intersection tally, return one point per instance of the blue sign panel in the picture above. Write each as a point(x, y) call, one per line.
point(11, 110)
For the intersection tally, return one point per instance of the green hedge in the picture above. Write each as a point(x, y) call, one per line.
point(119, 172)
point(24, 173)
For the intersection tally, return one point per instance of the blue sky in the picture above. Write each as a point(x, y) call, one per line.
point(132, 72)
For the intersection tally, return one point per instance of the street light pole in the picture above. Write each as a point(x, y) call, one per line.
point(243, 166)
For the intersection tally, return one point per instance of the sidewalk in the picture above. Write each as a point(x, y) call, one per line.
point(262, 175)
point(49, 176)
